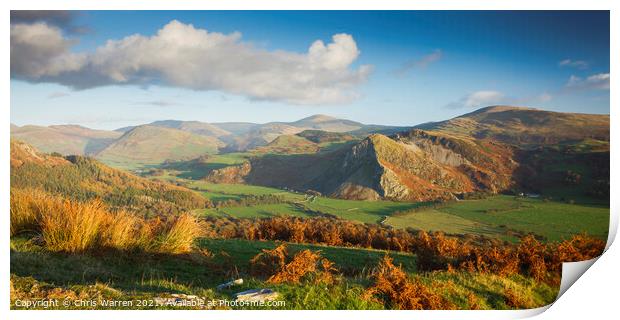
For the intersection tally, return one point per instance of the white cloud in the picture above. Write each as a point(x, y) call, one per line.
point(478, 99)
point(579, 64)
point(485, 98)
point(181, 55)
point(421, 63)
point(39, 50)
point(598, 81)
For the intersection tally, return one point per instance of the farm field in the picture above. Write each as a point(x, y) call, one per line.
point(500, 216)
point(361, 211)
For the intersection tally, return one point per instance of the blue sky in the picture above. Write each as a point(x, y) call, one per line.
point(397, 68)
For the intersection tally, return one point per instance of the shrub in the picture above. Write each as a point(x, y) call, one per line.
point(279, 268)
point(395, 289)
point(303, 263)
point(434, 251)
point(268, 262)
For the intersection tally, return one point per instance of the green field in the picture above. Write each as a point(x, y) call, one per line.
point(495, 216)
point(361, 211)
point(551, 219)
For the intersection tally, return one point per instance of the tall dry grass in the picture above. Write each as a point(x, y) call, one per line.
point(71, 226)
point(178, 235)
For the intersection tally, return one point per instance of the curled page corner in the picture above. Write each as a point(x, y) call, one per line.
point(571, 271)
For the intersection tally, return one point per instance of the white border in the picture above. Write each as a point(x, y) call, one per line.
point(594, 294)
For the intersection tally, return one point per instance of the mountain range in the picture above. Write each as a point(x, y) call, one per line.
point(490, 150)
point(173, 139)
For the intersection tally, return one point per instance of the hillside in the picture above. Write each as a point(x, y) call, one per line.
point(81, 178)
point(525, 126)
point(195, 127)
point(327, 123)
point(396, 168)
point(439, 164)
point(260, 136)
point(150, 144)
point(288, 144)
point(320, 136)
point(65, 139)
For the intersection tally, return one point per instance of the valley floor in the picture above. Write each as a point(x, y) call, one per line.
point(501, 216)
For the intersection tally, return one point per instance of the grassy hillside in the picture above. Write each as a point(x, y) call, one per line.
point(327, 123)
point(82, 179)
point(36, 272)
point(153, 145)
point(65, 139)
point(525, 126)
point(288, 144)
point(195, 127)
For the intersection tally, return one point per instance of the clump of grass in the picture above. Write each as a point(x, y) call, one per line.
point(395, 289)
point(178, 235)
point(71, 226)
point(25, 209)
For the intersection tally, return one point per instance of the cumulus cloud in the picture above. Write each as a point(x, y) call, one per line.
point(181, 55)
point(421, 63)
point(598, 81)
point(485, 98)
point(62, 19)
point(579, 64)
point(39, 50)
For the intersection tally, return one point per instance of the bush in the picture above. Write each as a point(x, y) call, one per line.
point(392, 287)
point(434, 251)
point(279, 268)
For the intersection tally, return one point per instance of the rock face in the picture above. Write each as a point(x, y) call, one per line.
point(232, 174)
point(394, 170)
point(412, 166)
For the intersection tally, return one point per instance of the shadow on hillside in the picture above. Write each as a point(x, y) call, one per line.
point(135, 272)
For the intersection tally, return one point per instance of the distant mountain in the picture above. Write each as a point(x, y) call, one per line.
point(319, 136)
point(263, 134)
point(491, 150)
point(152, 144)
point(196, 127)
point(259, 136)
point(236, 128)
point(65, 139)
point(525, 126)
point(327, 123)
point(243, 136)
point(288, 144)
